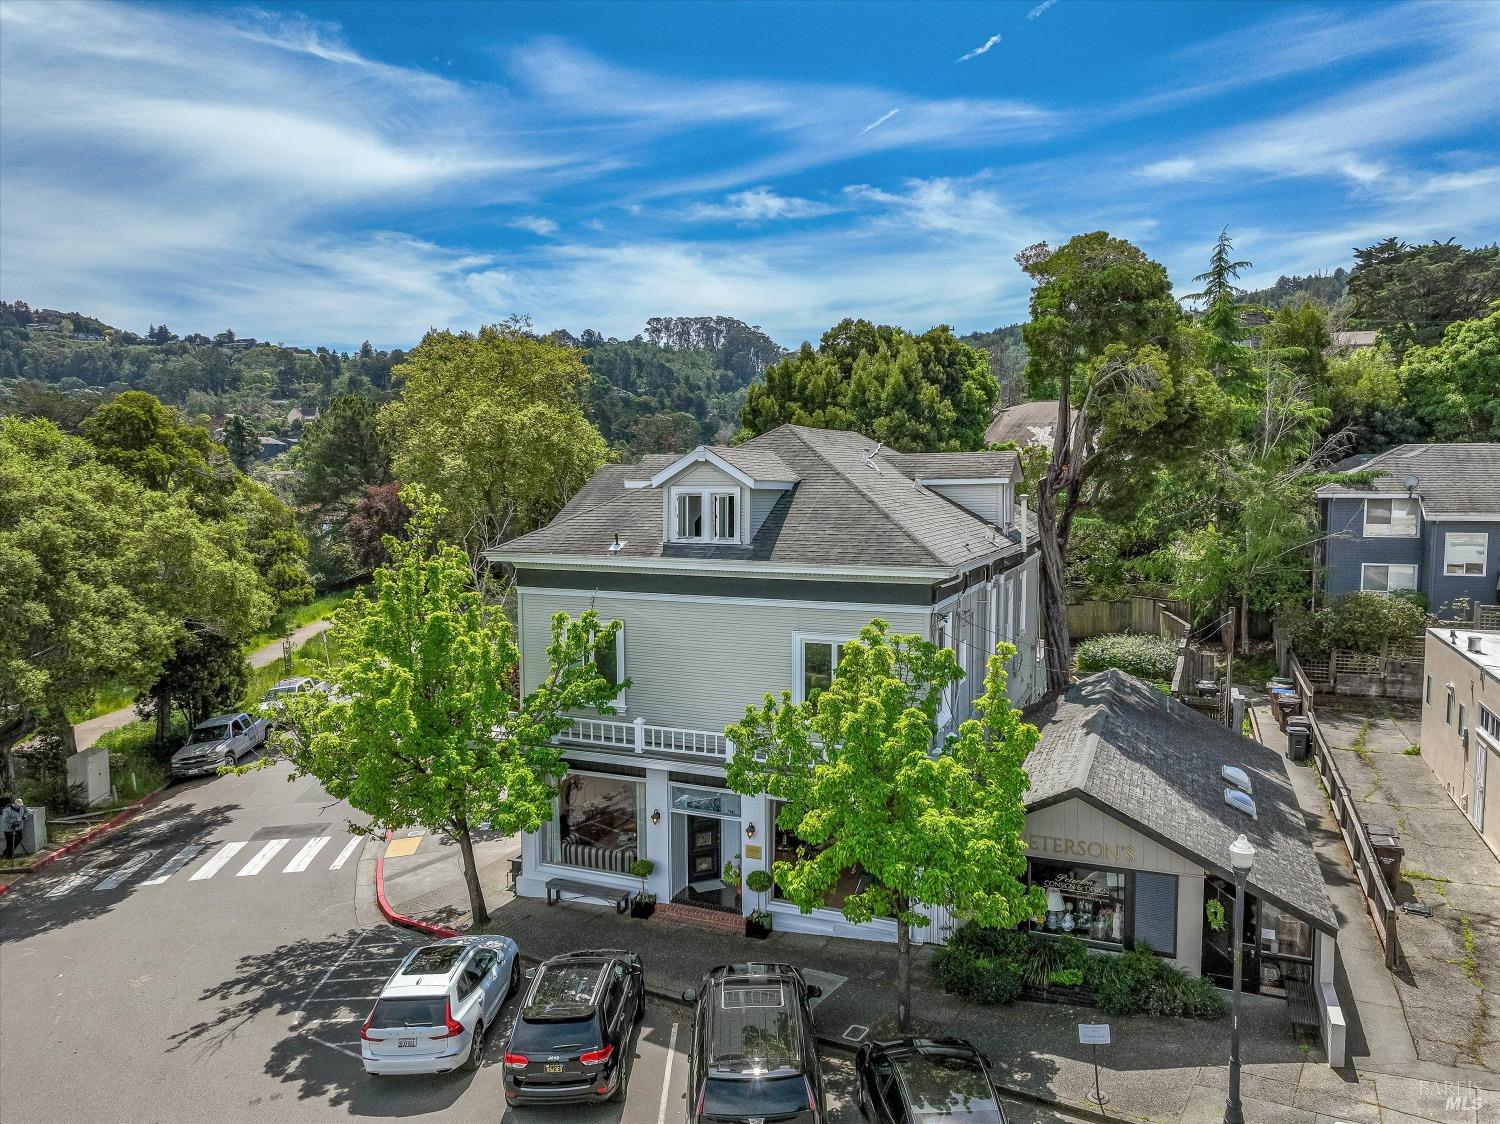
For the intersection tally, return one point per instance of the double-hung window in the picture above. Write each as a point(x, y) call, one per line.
point(1464, 553)
point(816, 661)
point(1488, 722)
point(1381, 577)
point(609, 661)
point(705, 515)
point(1391, 519)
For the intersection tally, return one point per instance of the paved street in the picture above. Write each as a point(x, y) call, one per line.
point(213, 960)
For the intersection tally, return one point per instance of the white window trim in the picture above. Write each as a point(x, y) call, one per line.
point(799, 669)
point(707, 494)
point(1484, 554)
point(946, 638)
point(618, 702)
point(1416, 576)
point(1416, 527)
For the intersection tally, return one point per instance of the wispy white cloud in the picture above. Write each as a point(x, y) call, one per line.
point(1040, 9)
point(879, 121)
point(983, 48)
point(759, 204)
point(537, 224)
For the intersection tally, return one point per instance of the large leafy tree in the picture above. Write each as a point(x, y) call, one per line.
point(151, 442)
point(863, 790)
point(492, 425)
point(1454, 386)
point(427, 726)
point(342, 454)
point(1410, 294)
point(241, 441)
point(1107, 333)
point(205, 675)
point(924, 393)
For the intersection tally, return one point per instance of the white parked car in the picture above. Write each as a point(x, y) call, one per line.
point(433, 1013)
point(270, 705)
point(219, 741)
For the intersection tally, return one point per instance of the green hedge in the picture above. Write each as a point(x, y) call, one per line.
point(1151, 658)
point(991, 966)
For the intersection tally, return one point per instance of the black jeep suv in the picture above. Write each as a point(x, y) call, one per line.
point(754, 1055)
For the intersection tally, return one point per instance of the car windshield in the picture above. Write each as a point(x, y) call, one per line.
point(754, 1026)
point(277, 692)
point(435, 960)
point(762, 1096)
point(563, 992)
point(395, 1013)
point(215, 733)
point(941, 1085)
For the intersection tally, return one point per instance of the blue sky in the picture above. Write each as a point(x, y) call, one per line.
point(329, 173)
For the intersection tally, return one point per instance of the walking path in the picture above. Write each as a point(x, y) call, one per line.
point(1168, 1070)
point(87, 733)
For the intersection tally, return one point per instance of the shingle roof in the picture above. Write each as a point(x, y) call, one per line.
point(958, 466)
point(1153, 762)
point(1451, 479)
point(1029, 423)
point(1353, 339)
point(842, 512)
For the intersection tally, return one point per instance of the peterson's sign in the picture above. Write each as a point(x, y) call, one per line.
point(1060, 847)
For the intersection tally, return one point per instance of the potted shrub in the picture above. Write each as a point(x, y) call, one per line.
point(731, 876)
point(643, 904)
point(758, 924)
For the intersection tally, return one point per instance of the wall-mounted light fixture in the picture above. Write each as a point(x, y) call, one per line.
point(655, 817)
point(749, 831)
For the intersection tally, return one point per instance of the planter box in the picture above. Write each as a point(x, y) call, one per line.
point(1072, 994)
point(757, 930)
point(641, 909)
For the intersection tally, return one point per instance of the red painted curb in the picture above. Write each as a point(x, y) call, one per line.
point(124, 814)
point(400, 918)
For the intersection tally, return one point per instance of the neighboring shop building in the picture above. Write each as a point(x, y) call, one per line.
point(1461, 722)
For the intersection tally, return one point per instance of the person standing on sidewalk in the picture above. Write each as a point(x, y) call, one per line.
point(12, 821)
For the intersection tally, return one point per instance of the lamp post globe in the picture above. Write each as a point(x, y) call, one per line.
point(1241, 860)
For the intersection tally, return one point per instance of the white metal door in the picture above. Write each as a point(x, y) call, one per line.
point(1476, 798)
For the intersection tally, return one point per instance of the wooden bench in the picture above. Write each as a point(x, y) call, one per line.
point(557, 887)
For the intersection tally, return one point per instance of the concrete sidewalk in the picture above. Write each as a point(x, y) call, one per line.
point(1169, 1070)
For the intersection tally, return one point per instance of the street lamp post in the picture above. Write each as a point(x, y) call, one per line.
point(1241, 859)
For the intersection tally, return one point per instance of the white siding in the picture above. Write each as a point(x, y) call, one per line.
point(698, 663)
point(984, 500)
point(762, 500)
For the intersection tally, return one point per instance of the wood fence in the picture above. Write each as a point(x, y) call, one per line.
point(1378, 897)
point(1487, 616)
point(1134, 614)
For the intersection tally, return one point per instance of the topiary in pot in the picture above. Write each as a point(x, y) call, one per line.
point(758, 924)
point(643, 905)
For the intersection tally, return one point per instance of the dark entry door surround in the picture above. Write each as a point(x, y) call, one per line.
point(1218, 951)
point(703, 834)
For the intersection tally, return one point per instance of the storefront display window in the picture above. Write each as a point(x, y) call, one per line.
point(1084, 902)
point(597, 823)
point(789, 846)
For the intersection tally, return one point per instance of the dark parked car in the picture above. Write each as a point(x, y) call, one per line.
point(573, 1030)
point(754, 1055)
point(917, 1080)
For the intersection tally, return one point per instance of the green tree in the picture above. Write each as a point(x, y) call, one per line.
point(1454, 386)
point(863, 790)
point(151, 442)
point(927, 393)
point(205, 675)
point(1298, 335)
point(1107, 333)
point(664, 433)
point(1223, 315)
point(427, 727)
point(492, 425)
point(277, 547)
point(1410, 294)
point(342, 454)
point(241, 442)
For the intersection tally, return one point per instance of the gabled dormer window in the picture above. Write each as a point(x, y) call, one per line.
point(705, 515)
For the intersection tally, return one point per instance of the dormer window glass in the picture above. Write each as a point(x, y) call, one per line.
point(705, 515)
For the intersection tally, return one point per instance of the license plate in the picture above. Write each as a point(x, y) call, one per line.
point(554, 1069)
point(406, 1043)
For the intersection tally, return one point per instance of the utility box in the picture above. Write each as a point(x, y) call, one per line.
point(34, 830)
point(1298, 738)
point(89, 770)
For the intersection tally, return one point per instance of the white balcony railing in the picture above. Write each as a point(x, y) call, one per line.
point(640, 737)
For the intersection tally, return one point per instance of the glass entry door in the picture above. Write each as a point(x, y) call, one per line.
point(1218, 951)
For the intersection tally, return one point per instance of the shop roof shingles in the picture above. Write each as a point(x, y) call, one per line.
point(1451, 479)
point(1148, 760)
point(843, 510)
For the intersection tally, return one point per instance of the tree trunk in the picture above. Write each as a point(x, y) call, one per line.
point(471, 873)
point(163, 715)
point(58, 724)
point(1244, 624)
point(1053, 602)
point(903, 970)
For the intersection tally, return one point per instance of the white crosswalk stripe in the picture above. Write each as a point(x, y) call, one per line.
point(262, 857)
point(73, 881)
point(309, 851)
point(174, 864)
point(346, 852)
point(124, 872)
point(217, 863)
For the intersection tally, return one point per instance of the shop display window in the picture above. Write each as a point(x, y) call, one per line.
point(1085, 902)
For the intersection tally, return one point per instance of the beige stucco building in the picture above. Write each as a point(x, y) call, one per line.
point(1461, 722)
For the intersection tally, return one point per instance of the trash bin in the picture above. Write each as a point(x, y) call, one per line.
point(34, 830)
point(1298, 737)
point(1389, 853)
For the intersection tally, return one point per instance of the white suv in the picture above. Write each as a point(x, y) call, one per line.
point(433, 1013)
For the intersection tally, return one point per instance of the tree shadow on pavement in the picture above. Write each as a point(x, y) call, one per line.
point(29, 911)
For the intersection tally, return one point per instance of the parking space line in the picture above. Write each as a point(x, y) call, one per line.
point(666, 1077)
point(119, 876)
point(347, 851)
point(303, 857)
point(218, 862)
point(262, 857)
point(174, 864)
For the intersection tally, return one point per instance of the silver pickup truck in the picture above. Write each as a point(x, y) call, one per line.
point(217, 742)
